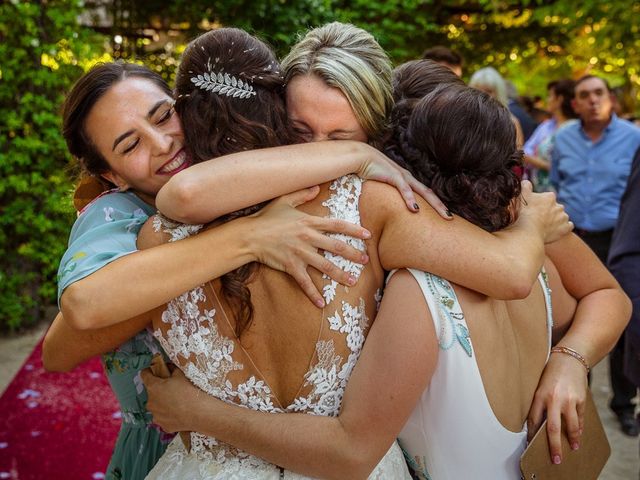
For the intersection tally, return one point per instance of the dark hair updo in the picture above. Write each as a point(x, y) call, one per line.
point(412, 81)
point(462, 143)
point(230, 98)
point(242, 112)
point(416, 78)
point(86, 92)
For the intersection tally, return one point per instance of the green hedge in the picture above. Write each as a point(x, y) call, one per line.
point(39, 47)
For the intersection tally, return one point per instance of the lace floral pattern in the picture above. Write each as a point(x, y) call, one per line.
point(343, 204)
point(191, 338)
point(195, 334)
point(175, 465)
point(177, 231)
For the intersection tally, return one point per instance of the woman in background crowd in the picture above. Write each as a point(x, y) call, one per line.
point(491, 82)
point(538, 148)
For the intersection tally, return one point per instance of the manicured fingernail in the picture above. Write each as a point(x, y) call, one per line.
point(320, 303)
point(416, 206)
point(366, 234)
point(575, 446)
point(364, 258)
point(351, 281)
point(556, 460)
point(448, 212)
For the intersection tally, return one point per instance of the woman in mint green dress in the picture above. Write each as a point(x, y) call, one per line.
point(120, 124)
point(106, 230)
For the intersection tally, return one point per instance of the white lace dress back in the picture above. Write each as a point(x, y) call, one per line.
point(200, 341)
point(452, 433)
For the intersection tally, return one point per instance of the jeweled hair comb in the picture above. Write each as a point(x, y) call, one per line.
point(224, 84)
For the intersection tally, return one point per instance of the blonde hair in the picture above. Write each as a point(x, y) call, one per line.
point(350, 59)
point(489, 77)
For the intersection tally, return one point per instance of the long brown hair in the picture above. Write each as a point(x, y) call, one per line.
point(230, 98)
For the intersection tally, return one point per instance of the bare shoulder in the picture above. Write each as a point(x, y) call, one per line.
point(386, 198)
point(382, 205)
point(382, 195)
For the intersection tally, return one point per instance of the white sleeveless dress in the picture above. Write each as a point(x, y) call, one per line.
point(453, 434)
point(200, 343)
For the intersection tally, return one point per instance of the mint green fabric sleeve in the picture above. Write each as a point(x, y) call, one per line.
point(105, 230)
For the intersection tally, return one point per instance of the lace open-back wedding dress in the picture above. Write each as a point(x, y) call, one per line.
point(317, 350)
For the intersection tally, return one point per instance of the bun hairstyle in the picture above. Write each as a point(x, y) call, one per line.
point(230, 98)
point(461, 143)
point(416, 78)
point(412, 81)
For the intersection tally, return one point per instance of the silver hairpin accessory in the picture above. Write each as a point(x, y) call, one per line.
point(223, 84)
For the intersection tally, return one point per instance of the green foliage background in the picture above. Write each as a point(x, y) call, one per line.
point(530, 41)
point(35, 212)
point(45, 46)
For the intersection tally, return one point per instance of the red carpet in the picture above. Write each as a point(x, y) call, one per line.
point(57, 425)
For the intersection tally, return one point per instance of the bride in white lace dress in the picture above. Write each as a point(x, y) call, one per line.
point(291, 358)
point(252, 338)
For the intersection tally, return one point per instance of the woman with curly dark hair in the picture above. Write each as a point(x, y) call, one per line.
point(484, 356)
point(473, 173)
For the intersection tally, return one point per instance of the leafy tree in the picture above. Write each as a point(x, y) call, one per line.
point(530, 41)
point(40, 44)
point(175, 23)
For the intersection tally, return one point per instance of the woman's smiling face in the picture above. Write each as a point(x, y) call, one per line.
point(134, 127)
point(320, 112)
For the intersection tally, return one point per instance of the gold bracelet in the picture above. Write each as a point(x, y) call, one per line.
point(571, 352)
